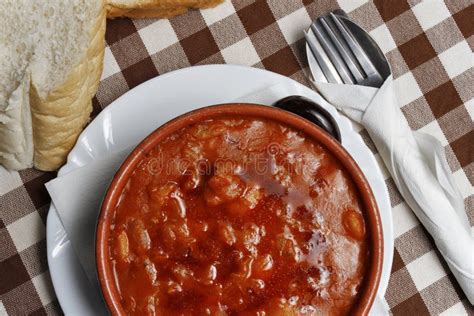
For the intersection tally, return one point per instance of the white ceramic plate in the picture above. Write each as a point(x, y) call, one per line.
point(140, 111)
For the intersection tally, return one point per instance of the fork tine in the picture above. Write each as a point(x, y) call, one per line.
point(356, 49)
point(343, 50)
point(323, 60)
point(329, 48)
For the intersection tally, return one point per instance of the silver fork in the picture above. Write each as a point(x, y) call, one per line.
point(339, 54)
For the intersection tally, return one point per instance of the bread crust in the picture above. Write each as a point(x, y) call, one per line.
point(157, 8)
point(114, 12)
point(59, 118)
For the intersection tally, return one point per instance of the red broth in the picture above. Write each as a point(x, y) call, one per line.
point(239, 217)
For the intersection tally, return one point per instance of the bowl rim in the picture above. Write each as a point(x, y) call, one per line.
point(373, 221)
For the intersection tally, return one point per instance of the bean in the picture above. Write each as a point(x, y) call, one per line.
point(192, 180)
point(203, 132)
point(263, 266)
point(168, 235)
point(150, 270)
point(123, 246)
point(150, 306)
point(226, 233)
point(353, 222)
point(208, 275)
point(182, 273)
point(160, 194)
point(141, 236)
point(192, 151)
point(251, 236)
point(226, 187)
point(252, 196)
point(174, 288)
point(256, 285)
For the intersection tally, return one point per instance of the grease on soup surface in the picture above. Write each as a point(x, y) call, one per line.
point(239, 217)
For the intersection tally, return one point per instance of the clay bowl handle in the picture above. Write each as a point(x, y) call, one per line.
point(311, 111)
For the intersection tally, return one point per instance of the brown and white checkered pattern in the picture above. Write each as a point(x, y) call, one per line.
point(430, 48)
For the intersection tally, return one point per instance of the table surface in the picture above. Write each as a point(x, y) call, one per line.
point(429, 46)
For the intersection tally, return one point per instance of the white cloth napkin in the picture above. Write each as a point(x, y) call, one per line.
point(418, 166)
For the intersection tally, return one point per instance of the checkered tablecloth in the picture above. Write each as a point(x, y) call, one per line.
point(430, 48)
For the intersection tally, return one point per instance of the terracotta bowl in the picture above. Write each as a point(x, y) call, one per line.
point(372, 217)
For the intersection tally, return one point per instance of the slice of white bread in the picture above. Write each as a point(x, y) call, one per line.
point(51, 55)
point(154, 8)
